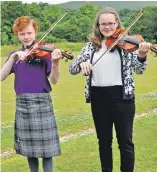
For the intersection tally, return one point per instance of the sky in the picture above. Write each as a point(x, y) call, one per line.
point(43, 1)
point(47, 1)
point(63, 1)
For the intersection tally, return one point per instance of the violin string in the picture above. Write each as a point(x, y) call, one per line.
point(120, 37)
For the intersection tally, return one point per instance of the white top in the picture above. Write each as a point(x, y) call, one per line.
point(107, 71)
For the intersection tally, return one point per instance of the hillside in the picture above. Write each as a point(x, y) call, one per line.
point(132, 5)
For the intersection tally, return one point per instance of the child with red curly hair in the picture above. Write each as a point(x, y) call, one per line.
point(36, 134)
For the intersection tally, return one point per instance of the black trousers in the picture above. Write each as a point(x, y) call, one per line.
point(108, 108)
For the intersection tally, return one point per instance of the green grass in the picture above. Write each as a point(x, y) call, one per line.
point(73, 115)
point(81, 153)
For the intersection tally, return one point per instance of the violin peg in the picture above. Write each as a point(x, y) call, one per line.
point(66, 60)
point(62, 57)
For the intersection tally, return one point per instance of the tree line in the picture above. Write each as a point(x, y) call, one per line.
point(75, 26)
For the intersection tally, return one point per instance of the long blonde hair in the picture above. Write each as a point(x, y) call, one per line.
point(96, 36)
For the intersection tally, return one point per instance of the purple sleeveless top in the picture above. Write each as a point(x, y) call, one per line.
point(32, 76)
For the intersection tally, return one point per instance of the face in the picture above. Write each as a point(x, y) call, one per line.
point(107, 24)
point(27, 35)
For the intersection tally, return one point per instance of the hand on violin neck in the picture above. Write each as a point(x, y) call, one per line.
point(56, 55)
point(144, 48)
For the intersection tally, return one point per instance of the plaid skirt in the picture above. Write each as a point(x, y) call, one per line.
point(36, 132)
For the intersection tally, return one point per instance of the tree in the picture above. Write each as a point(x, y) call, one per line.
point(76, 25)
point(4, 38)
point(9, 14)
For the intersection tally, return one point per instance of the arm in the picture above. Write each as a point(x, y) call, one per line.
point(54, 75)
point(139, 63)
point(6, 69)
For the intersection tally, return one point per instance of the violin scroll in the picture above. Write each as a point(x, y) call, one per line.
point(49, 49)
point(154, 49)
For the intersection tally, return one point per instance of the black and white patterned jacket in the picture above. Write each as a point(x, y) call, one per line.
point(129, 61)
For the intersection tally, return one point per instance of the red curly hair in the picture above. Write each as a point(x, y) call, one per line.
point(22, 22)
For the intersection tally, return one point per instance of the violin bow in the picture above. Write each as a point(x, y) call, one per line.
point(47, 32)
point(120, 37)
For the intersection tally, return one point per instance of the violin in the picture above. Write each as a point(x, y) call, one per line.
point(129, 42)
point(122, 42)
point(43, 51)
point(122, 39)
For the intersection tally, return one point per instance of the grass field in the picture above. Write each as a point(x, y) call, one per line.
point(79, 154)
